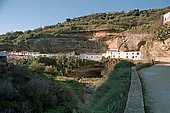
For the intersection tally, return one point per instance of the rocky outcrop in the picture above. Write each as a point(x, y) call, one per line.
point(156, 50)
point(82, 41)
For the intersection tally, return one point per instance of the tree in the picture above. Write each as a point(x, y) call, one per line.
point(39, 67)
point(134, 12)
point(68, 20)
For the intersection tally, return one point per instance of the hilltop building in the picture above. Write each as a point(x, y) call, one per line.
point(166, 19)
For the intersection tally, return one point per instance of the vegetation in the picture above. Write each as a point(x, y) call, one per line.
point(30, 88)
point(111, 96)
point(162, 34)
point(21, 90)
point(55, 66)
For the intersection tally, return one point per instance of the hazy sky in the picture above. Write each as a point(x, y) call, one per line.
point(30, 14)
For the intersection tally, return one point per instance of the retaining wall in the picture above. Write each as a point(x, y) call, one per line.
point(135, 102)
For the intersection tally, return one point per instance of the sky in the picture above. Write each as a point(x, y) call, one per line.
point(21, 15)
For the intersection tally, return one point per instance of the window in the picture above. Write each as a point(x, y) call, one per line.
point(136, 56)
point(137, 53)
point(127, 53)
point(118, 56)
point(132, 53)
point(132, 56)
point(126, 56)
point(113, 56)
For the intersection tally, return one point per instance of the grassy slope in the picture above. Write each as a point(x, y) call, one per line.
point(111, 96)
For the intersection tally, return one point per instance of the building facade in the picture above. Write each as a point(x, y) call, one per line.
point(112, 53)
point(166, 19)
point(90, 56)
point(135, 55)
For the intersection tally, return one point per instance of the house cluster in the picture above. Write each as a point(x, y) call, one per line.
point(166, 19)
point(31, 54)
point(112, 53)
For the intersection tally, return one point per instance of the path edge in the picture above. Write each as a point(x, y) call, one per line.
point(135, 102)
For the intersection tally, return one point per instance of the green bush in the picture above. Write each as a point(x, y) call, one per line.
point(112, 95)
point(23, 91)
point(124, 64)
point(162, 34)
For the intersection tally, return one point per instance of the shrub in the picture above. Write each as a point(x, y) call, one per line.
point(36, 94)
point(124, 64)
point(38, 67)
point(7, 91)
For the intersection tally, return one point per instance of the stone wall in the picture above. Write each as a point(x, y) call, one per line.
point(135, 97)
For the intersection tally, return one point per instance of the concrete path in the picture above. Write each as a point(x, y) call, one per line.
point(156, 80)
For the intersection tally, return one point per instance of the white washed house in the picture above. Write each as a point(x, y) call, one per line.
point(70, 54)
point(91, 56)
point(29, 55)
point(166, 19)
point(24, 53)
point(135, 55)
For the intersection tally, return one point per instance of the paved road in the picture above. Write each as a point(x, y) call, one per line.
point(156, 80)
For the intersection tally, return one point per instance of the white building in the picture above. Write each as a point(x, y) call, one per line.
point(70, 54)
point(112, 53)
point(25, 53)
point(136, 55)
point(166, 19)
point(91, 56)
point(29, 55)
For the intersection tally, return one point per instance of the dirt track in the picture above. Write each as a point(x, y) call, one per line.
point(156, 80)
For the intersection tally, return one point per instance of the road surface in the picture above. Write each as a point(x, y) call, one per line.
point(156, 80)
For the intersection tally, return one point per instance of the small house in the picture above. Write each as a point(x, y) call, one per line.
point(166, 19)
point(91, 56)
point(133, 55)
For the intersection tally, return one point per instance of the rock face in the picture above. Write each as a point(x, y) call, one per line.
point(65, 42)
point(156, 50)
point(84, 41)
point(161, 50)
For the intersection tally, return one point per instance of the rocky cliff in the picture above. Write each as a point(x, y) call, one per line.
point(86, 41)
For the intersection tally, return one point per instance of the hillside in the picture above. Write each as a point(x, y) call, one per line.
point(90, 33)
